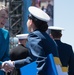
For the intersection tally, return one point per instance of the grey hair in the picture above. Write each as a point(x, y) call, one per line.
point(3, 7)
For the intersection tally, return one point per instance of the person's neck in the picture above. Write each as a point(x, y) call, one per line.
point(56, 38)
point(33, 29)
point(22, 44)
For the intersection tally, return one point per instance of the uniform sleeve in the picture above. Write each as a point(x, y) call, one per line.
point(35, 49)
point(22, 62)
point(36, 46)
point(71, 63)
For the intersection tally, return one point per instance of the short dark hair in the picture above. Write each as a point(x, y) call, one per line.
point(56, 33)
point(41, 25)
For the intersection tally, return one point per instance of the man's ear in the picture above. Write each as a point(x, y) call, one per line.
point(61, 35)
point(51, 36)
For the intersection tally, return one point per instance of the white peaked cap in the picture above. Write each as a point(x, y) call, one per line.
point(2, 7)
point(22, 36)
point(38, 13)
point(55, 28)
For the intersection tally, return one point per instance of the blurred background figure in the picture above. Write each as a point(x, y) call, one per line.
point(38, 3)
point(49, 11)
point(13, 42)
point(65, 50)
point(19, 52)
point(43, 8)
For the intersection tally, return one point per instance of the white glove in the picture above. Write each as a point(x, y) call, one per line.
point(9, 63)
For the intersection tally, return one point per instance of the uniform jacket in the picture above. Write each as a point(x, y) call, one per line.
point(66, 55)
point(4, 46)
point(19, 52)
point(40, 45)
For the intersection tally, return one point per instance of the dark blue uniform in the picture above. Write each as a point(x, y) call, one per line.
point(40, 45)
point(66, 55)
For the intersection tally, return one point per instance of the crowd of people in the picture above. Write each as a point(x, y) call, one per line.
point(35, 46)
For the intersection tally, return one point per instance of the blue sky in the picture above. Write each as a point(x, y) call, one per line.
point(64, 17)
